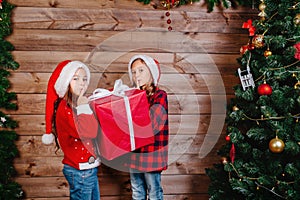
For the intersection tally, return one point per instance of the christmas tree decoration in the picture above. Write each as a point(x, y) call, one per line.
point(260, 159)
point(297, 85)
point(297, 19)
point(276, 145)
point(262, 8)
point(232, 153)
point(243, 49)
point(169, 21)
point(235, 108)
point(258, 41)
point(168, 4)
point(264, 89)
point(224, 160)
point(267, 53)
point(249, 26)
point(2, 121)
point(251, 47)
point(297, 53)
point(227, 138)
point(211, 4)
point(9, 189)
point(246, 77)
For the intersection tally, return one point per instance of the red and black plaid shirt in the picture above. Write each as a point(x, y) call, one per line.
point(154, 157)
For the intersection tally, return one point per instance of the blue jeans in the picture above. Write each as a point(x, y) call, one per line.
point(83, 184)
point(146, 182)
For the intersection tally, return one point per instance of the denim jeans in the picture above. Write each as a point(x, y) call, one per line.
point(146, 182)
point(83, 184)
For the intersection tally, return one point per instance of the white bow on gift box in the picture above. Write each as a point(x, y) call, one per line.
point(119, 90)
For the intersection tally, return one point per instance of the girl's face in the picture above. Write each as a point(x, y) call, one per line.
point(79, 82)
point(141, 74)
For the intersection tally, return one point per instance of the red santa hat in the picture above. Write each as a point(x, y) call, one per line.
point(151, 63)
point(57, 87)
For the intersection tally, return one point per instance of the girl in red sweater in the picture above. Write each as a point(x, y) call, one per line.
point(71, 123)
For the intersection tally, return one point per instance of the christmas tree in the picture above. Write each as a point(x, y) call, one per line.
point(9, 189)
point(261, 155)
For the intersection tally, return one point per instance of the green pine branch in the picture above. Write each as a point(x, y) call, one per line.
point(254, 120)
point(9, 189)
point(212, 4)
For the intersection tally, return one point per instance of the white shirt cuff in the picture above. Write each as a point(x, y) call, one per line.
point(84, 109)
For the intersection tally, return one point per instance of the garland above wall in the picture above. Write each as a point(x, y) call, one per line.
point(211, 4)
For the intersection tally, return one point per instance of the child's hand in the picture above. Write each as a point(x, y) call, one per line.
point(82, 99)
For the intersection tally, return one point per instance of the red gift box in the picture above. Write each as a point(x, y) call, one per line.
point(124, 119)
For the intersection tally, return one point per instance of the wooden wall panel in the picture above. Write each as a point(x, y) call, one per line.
point(31, 104)
point(186, 83)
point(114, 186)
point(198, 64)
point(83, 40)
point(206, 63)
point(183, 124)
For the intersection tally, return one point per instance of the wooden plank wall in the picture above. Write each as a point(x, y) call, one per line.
point(198, 61)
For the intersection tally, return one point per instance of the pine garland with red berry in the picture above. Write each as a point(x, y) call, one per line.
point(211, 4)
point(9, 189)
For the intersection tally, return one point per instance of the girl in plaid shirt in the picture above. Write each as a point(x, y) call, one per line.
point(147, 163)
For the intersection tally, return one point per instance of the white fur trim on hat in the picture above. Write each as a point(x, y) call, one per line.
point(66, 75)
point(48, 138)
point(152, 65)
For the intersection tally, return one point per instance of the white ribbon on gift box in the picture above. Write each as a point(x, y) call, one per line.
point(119, 90)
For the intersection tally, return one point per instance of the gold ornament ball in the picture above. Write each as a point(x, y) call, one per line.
point(262, 6)
point(267, 53)
point(224, 160)
point(297, 19)
point(235, 108)
point(297, 85)
point(276, 145)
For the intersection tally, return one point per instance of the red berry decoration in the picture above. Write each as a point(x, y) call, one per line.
point(264, 89)
point(169, 20)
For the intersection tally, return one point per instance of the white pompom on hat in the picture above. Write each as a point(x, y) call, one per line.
point(57, 88)
point(151, 63)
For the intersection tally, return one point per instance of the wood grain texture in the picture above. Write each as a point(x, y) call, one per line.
point(117, 19)
point(32, 104)
point(112, 185)
point(84, 40)
point(184, 124)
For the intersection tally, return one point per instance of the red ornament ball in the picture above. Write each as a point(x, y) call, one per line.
point(243, 49)
point(170, 28)
point(167, 14)
point(169, 21)
point(251, 47)
point(227, 138)
point(264, 89)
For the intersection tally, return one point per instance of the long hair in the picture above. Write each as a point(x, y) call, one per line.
point(149, 88)
point(72, 102)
